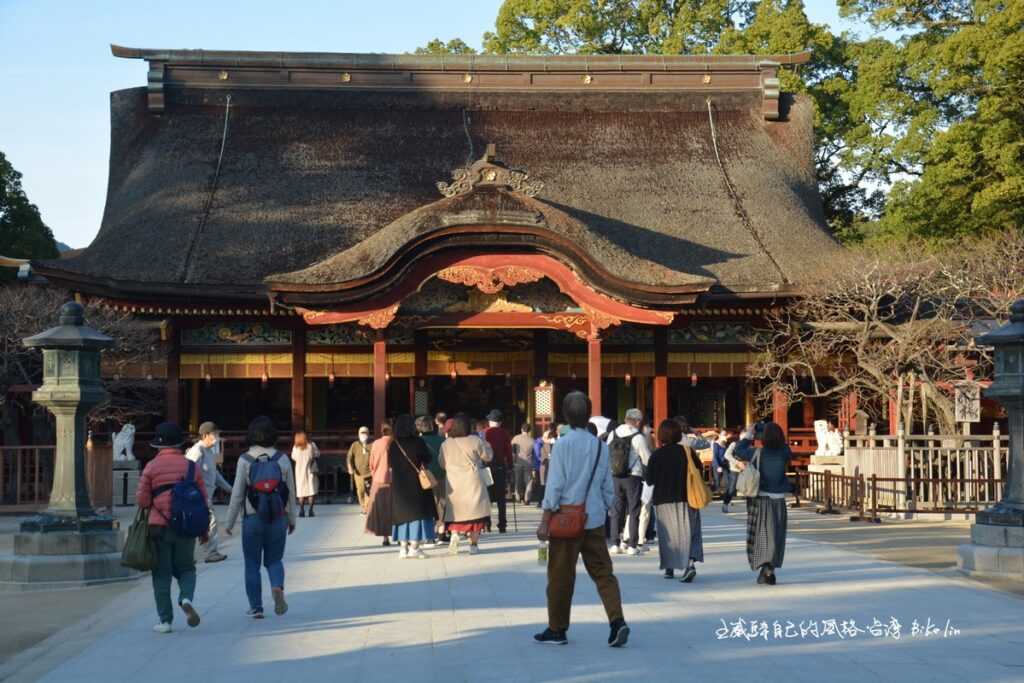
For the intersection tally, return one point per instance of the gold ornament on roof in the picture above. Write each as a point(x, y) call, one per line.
point(488, 170)
point(479, 302)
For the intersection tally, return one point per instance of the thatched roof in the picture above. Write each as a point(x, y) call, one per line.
point(316, 186)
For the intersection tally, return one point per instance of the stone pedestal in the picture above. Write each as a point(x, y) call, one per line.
point(125, 481)
point(49, 554)
point(826, 463)
point(997, 545)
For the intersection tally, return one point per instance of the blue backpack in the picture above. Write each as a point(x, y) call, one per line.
point(267, 491)
point(190, 518)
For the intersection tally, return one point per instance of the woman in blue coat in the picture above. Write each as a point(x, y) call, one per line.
point(766, 512)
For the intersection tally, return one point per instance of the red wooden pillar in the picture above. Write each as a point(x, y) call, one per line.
point(808, 405)
point(780, 409)
point(173, 397)
point(380, 383)
point(298, 378)
point(851, 410)
point(660, 376)
point(540, 355)
point(594, 374)
point(894, 413)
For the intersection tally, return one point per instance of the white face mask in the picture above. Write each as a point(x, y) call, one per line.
point(363, 438)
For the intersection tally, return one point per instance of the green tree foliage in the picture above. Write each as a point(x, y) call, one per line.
point(22, 231)
point(455, 46)
point(951, 93)
point(613, 26)
point(830, 79)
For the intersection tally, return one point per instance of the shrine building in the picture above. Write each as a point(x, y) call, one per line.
point(333, 239)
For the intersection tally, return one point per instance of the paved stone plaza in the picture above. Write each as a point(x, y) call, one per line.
point(358, 613)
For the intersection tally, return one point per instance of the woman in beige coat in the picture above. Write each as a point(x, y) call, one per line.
point(463, 455)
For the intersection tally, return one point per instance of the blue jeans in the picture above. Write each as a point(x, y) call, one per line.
point(263, 543)
point(730, 486)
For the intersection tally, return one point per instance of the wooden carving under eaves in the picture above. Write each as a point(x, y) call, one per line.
point(489, 171)
point(489, 280)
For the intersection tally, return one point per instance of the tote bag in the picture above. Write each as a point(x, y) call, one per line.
point(138, 552)
point(748, 484)
point(698, 495)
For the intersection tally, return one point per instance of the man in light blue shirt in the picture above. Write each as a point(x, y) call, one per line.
point(578, 471)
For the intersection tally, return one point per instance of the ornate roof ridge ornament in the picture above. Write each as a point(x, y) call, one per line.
point(488, 170)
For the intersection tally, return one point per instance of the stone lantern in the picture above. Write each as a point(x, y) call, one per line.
point(69, 543)
point(997, 536)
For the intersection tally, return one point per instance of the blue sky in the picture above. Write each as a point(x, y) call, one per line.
point(56, 70)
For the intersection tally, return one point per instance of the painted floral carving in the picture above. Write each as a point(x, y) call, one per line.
point(490, 280)
point(236, 334)
point(380, 319)
point(337, 335)
point(714, 333)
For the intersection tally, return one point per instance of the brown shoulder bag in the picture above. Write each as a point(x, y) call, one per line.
point(570, 521)
point(427, 479)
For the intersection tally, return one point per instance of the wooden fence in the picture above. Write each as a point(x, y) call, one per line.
point(26, 476)
point(915, 474)
point(923, 472)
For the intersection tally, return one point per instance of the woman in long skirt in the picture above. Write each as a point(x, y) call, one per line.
point(412, 506)
point(378, 519)
point(305, 455)
point(766, 512)
point(463, 454)
point(679, 539)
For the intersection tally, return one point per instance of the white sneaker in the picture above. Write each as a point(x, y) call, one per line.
point(613, 550)
point(453, 545)
point(474, 550)
point(402, 554)
point(633, 551)
point(162, 628)
point(417, 554)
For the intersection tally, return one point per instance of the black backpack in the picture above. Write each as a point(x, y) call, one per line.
point(619, 451)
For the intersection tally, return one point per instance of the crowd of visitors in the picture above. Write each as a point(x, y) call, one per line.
point(431, 482)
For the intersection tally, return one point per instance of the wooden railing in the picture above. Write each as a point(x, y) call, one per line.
point(26, 475)
point(869, 496)
point(941, 469)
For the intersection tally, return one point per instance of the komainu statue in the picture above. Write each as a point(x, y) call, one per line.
point(124, 442)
